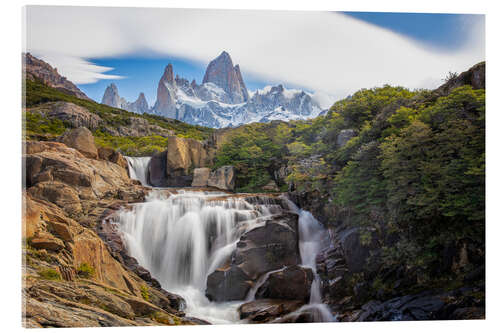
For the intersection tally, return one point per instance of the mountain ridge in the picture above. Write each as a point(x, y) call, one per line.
point(222, 99)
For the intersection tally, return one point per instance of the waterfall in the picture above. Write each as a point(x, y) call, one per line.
point(311, 238)
point(138, 168)
point(183, 237)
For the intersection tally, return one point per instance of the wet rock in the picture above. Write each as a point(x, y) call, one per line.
point(157, 170)
point(260, 250)
point(271, 187)
point(292, 283)
point(228, 284)
point(267, 310)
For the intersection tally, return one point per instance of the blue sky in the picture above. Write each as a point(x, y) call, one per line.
point(330, 53)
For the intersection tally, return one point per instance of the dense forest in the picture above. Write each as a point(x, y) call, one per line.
point(406, 167)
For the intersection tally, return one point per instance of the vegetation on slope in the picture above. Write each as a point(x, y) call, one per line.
point(413, 177)
point(39, 127)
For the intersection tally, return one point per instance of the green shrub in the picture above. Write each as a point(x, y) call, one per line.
point(49, 274)
point(145, 293)
point(85, 271)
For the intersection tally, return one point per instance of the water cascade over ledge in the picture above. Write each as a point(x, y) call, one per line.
point(184, 236)
point(138, 168)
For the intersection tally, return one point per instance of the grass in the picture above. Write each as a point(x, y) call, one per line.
point(39, 127)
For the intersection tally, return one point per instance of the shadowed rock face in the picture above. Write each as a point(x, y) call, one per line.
point(165, 100)
point(260, 250)
point(292, 283)
point(221, 72)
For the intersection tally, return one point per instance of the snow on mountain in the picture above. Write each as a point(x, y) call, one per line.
point(222, 100)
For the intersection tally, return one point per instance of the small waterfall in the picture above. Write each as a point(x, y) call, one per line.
point(184, 237)
point(311, 236)
point(138, 168)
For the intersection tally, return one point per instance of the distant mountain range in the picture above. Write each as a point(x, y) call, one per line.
point(221, 100)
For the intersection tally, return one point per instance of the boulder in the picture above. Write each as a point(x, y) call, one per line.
point(344, 136)
point(267, 310)
point(47, 242)
point(291, 283)
point(260, 250)
point(355, 253)
point(200, 177)
point(223, 178)
point(228, 284)
point(112, 155)
point(158, 169)
point(82, 140)
point(76, 115)
point(183, 156)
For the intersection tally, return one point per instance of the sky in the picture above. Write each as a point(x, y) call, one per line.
point(329, 54)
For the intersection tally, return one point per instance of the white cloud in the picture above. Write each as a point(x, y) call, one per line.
point(320, 51)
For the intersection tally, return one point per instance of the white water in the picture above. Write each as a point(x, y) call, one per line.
point(138, 168)
point(311, 234)
point(184, 237)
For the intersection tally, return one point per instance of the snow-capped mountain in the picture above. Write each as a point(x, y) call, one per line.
point(222, 99)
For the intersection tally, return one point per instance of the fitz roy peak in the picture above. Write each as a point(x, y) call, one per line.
point(221, 100)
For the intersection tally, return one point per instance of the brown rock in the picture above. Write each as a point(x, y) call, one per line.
point(34, 68)
point(267, 310)
point(47, 242)
point(76, 115)
point(58, 193)
point(82, 140)
point(200, 177)
point(223, 178)
point(183, 156)
point(271, 187)
point(112, 155)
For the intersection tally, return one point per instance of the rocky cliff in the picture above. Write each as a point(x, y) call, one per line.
point(36, 69)
point(112, 98)
point(223, 74)
point(71, 277)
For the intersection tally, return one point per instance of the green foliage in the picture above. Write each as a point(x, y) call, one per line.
point(37, 125)
point(131, 145)
point(145, 293)
point(254, 152)
point(367, 103)
point(49, 274)
point(85, 271)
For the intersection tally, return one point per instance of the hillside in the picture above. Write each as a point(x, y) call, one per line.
point(49, 112)
point(398, 177)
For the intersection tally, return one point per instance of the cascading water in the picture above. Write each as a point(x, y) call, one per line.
point(311, 236)
point(181, 238)
point(138, 168)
